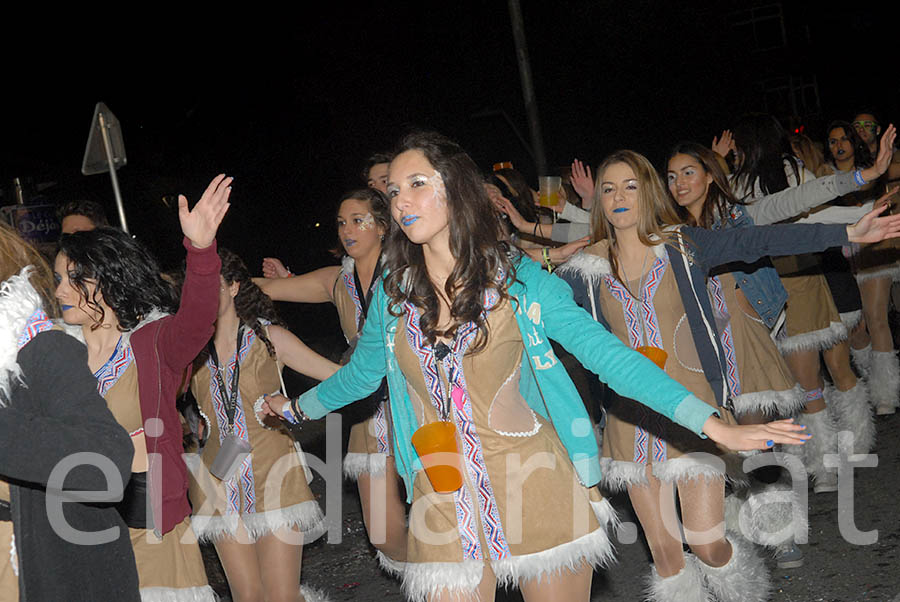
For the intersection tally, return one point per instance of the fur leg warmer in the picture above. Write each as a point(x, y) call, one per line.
point(862, 360)
point(884, 385)
point(852, 412)
point(311, 594)
point(824, 441)
point(744, 578)
point(767, 514)
point(685, 586)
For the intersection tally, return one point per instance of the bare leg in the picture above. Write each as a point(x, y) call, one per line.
point(654, 504)
point(703, 513)
point(280, 555)
point(804, 366)
point(566, 585)
point(859, 336)
point(837, 360)
point(876, 295)
point(384, 512)
point(238, 557)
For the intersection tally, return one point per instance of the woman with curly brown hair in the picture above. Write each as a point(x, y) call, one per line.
point(261, 511)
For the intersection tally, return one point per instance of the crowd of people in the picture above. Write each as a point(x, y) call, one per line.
point(731, 305)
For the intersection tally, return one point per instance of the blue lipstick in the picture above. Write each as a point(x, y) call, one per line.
point(65, 307)
point(409, 220)
point(620, 209)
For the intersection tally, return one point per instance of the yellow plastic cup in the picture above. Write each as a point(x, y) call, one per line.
point(439, 452)
point(654, 354)
point(548, 190)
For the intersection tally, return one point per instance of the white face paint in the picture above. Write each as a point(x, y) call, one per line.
point(437, 185)
point(367, 222)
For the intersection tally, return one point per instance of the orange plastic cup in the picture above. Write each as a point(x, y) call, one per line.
point(437, 448)
point(654, 354)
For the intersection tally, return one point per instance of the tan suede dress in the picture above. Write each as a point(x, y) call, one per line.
point(758, 377)
point(521, 506)
point(369, 444)
point(635, 436)
point(270, 489)
point(170, 567)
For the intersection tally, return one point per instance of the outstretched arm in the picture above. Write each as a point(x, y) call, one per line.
point(296, 355)
point(312, 287)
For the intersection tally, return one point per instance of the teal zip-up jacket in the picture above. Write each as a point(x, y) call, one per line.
point(544, 309)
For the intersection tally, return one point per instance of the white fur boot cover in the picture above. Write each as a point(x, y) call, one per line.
point(824, 441)
point(311, 594)
point(743, 579)
point(862, 359)
point(685, 586)
point(853, 412)
point(884, 386)
point(766, 514)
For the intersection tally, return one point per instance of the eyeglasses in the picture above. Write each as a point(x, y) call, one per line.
point(866, 125)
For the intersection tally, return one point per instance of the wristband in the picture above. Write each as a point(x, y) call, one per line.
point(288, 414)
point(534, 232)
point(546, 254)
point(857, 177)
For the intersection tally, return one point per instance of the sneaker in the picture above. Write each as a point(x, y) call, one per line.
point(884, 408)
point(788, 555)
point(825, 482)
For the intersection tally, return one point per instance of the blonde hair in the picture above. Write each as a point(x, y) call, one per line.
point(654, 209)
point(15, 254)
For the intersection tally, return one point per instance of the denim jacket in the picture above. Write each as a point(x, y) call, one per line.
point(758, 281)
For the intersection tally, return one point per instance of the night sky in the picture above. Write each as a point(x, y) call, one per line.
point(291, 103)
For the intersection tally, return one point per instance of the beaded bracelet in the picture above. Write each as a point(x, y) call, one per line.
point(857, 177)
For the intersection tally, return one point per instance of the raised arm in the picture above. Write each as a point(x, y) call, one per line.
point(191, 327)
point(313, 287)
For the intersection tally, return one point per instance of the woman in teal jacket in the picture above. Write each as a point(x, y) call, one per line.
point(461, 319)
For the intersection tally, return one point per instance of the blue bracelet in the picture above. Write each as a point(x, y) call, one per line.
point(288, 415)
point(857, 177)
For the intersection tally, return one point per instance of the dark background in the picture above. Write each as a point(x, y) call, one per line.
point(291, 100)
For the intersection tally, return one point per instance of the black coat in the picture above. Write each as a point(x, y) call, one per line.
point(57, 413)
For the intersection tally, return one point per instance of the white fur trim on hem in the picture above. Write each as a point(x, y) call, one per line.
point(458, 579)
point(686, 468)
point(392, 567)
point(617, 475)
point(204, 593)
point(594, 549)
point(306, 516)
point(356, 464)
point(851, 319)
point(892, 271)
point(311, 594)
point(772, 403)
point(816, 340)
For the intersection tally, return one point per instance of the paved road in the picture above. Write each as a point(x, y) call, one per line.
point(835, 571)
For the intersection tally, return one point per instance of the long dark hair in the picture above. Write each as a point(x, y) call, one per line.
point(763, 147)
point(126, 274)
point(251, 304)
point(474, 242)
point(862, 156)
point(719, 196)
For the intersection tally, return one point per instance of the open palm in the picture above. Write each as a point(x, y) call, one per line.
point(200, 224)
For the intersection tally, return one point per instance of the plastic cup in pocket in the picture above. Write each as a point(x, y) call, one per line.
point(437, 448)
point(654, 354)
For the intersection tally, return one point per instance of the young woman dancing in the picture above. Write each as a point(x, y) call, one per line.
point(260, 515)
point(362, 221)
point(461, 329)
point(139, 343)
point(647, 283)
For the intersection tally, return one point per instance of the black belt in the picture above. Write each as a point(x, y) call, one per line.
point(5, 512)
point(133, 507)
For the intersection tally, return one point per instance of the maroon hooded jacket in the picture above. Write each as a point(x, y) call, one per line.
point(163, 349)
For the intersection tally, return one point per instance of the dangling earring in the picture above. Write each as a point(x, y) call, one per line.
point(382, 238)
